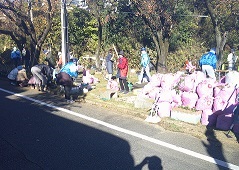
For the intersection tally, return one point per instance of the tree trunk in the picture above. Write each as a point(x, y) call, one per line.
point(97, 61)
point(220, 46)
point(35, 53)
point(220, 40)
point(162, 46)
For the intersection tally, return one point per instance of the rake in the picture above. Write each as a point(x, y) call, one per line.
point(153, 116)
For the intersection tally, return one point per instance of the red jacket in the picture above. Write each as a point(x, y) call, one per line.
point(123, 67)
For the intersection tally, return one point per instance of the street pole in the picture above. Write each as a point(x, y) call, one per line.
point(64, 30)
point(30, 10)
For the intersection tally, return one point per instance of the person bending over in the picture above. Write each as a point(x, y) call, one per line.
point(66, 77)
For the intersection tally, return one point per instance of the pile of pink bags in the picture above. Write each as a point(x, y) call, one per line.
point(216, 99)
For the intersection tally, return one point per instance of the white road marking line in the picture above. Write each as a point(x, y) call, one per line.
point(135, 134)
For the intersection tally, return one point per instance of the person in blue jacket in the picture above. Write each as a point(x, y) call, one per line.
point(66, 77)
point(208, 63)
point(16, 56)
point(145, 60)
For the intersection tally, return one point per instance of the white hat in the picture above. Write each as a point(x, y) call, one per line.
point(59, 53)
point(213, 50)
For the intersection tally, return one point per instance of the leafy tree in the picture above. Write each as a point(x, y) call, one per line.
point(185, 43)
point(183, 33)
point(20, 24)
point(102, 11)
point(82, 32)
point(5, 42)
point(224, 18)
point(157, 16)
point(54, 36)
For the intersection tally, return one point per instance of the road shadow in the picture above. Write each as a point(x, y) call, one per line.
point(214, 147)
point(59, 142)
point(153, 163)
point(36, 136)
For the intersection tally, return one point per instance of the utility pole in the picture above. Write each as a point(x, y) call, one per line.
point(64, 32)
point(30, 10)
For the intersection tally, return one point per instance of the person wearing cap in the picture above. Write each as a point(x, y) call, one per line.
point(66, 77)
point(208, 63)
point(231, 59)
point(145, 60)
point(16, 56)
point(123, 72)
point(109, 64)
point(49, 59)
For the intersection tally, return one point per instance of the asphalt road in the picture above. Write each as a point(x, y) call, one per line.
point(41, 131)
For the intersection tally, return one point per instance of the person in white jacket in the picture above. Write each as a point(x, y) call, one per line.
point(15, 77)
point(231, 59)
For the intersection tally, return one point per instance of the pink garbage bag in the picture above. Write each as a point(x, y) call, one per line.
point(218, 104)
point(87, 80)
point(189, 99)
point(164, 109)
point(187, 83)
point(165, 96)
point(167, 81)
point(205, 88)
point(205, 116)
point(216, 90)
point(205, 102)
point(177, 100)
point(228, 94)
point(154, 93)
point(147, 88)
point(32, 80)
point(177, 77)
point(156, 80)
point(199, 77)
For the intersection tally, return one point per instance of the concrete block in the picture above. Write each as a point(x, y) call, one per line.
point(143, 103)
point(107, 95)
point(193, 118)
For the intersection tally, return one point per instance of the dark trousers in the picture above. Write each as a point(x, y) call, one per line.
point(16, 61)
point(123, 85)
point(26, 62)
point(65, 80)
point(67, 92)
